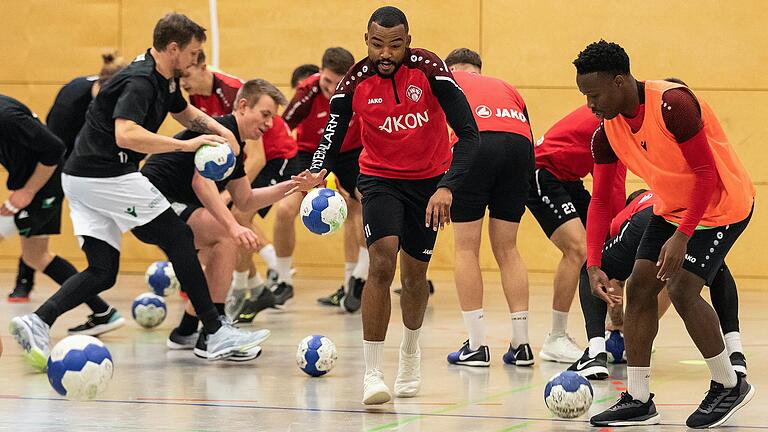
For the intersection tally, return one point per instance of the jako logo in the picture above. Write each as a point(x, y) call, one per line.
point(427, 252)
point(372, 101)
point(483, 111)
point(404, 122)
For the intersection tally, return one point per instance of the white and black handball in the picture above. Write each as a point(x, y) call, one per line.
point(215, 162)
point(323, 211)
point(149, 310)
point(316, 355)
point(161, 279)
point(568, 395)
point(80, 367)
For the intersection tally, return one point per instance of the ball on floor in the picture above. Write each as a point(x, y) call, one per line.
point(316, 355)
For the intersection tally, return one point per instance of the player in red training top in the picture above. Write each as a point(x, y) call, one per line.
point(618, 258)
point(705, 198)
point(559, 202)
point(402, 97)
point(307, 114)
point(213, 92)
point(498, 180)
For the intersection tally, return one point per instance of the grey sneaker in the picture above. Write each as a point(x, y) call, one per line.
point(228, 339)
point(32, 334)
point(177, 341)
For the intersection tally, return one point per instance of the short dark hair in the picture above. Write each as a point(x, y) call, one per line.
point(338, 60)
point(388, 16)
point(676, 81)
point(254, 89)
point(301, 72)
point(602, 56)
point(200, 58)
point(634, 195)
point(464, 55)
point(176, 27)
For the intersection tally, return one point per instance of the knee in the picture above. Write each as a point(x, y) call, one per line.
point(286, 212)
point(382, 268)
point(575, 250)
point(413, 282)
point(104, 274)
point(638, 293)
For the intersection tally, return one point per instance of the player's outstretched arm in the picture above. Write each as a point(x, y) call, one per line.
point(197, 121)
point(208, 194)
point(250, 200)
point(334, 133)
point(131, 136)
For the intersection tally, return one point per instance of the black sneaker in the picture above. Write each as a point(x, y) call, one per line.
point(20, 293)
point(271, 276)
point(201, 350)
point(466, 357)
point(333, 299)
point(98, 324)
point(399, 291)
point(591, 368)
point(720, 404)
point(628, 411)
point(739, 363)
point(352, 298)
point(520, 356)
point(282, 292)
point(251, 306)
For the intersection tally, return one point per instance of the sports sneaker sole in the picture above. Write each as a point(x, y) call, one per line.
point(473, 363)
point(18, 299)
point(237, 357)
point(23, 334)
point(521, 363)
point(748, 397)
point(378, 396)
point(594, 373)
point(101, 328)
point(652, 420)
point(407, 392)
point(558, 359)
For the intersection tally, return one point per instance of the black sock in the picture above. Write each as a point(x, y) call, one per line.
point(97, 305)
point(26, 274)
point(220, 308)
point(60, 270)
point(188, 325)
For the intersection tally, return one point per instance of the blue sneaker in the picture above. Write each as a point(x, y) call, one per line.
point(481, 357)
point(520, 356)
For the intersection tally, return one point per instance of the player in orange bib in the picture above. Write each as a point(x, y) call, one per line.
point(660, 132)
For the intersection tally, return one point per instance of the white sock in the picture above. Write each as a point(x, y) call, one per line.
point(255, 281)
point(559, 322)
point(240, 280)
point(348, 267)
point(269, 256)
point(475, 324)
point(596, 346)
point(361, 267)
point(283, 267)
point(733, 342)
point(410, 343)
point(519, 328)
point(373, 353)
point(721, 369)
point(639, 382)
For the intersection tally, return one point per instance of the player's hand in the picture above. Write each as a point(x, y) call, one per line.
point(439, 209)
point(244, 237)
point(306, 180)
point(601, 286)
point(195, 143)
point(671, 256)
point(17, 201)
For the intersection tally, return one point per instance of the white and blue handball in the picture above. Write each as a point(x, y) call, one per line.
point(614, 346)
point(323, 211)
point(161, 279)
point(316, 355)
point(215, 162)
point(149, 310)
point(80, 367)
point(568, 394)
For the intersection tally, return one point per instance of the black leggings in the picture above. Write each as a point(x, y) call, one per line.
point(725, 300)
point(166, 231)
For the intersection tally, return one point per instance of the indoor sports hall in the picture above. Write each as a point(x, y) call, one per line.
point(129, 374)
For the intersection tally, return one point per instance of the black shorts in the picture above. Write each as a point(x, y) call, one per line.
point(274, 172)
point(554, 202)
point(394, 207)
point(499, 179)
point(706, 251)
point(184, 211)
point(619, 251)
point(43, 215)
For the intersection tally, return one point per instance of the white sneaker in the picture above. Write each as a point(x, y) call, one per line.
point(32, 334)
point(375, 392)
point(228, 340)
point(560, 348)
point(408, 380)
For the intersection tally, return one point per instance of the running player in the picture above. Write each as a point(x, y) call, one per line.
point(218, 235)
point(659, 130)
point(66, 117)
point(402, 97)
point(498, 180)
point(559, 202)
point(307, 113)
point(32, 155)
point(108, 196)
point(618, 258)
